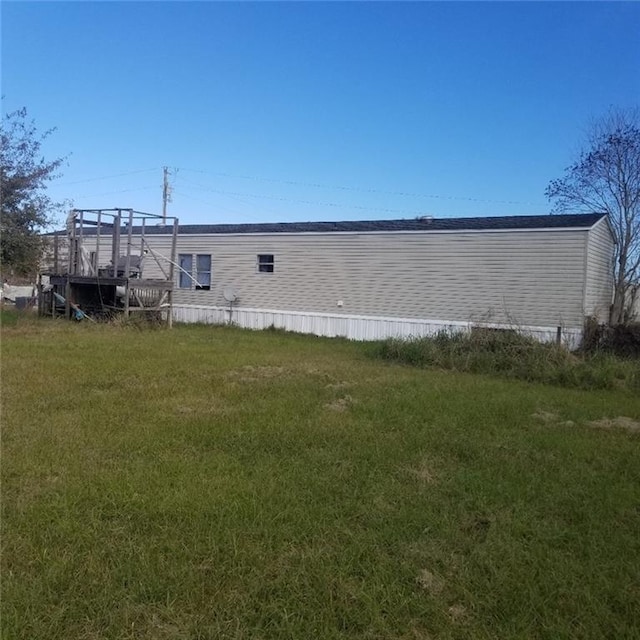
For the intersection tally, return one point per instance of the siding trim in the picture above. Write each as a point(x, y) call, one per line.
point(608, 223)
point(599, 275)
point(355, 327)
point(585, 273)
point(347, 316)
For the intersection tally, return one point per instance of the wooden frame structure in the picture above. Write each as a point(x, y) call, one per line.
point(97, 267)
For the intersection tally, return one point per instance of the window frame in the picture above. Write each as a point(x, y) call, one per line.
point(190, 272)
point(265, 266)
point(200, 272)
point(185, 273)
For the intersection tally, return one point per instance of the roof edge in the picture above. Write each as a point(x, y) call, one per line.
point(575, 221)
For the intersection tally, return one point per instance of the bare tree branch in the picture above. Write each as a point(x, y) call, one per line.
point(606, 178)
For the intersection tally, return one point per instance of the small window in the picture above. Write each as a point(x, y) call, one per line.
point(185, 260)
point(266, 263)
point(203, 272)
point(198, 278)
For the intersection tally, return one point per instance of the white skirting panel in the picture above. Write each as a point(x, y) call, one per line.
point(354, 327)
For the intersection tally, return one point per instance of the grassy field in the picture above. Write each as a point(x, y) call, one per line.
point(216, 483)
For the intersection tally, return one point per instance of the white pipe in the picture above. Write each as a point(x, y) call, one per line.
point(158, 255)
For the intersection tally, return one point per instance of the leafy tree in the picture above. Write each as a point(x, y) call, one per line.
point(26, 208)
point(606, 178)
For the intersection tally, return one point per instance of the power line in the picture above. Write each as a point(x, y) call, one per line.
point(109, 193)
point(317, 185)
point(311, 202)
point(115, 175)
point(218, 206)
point(236, 195)
point(232, 197)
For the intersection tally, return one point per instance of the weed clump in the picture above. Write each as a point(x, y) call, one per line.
point(622, 340)
point(140, 321)
point(513, 355)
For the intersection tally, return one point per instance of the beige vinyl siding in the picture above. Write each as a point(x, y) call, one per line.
point(161, 247)
point(519, 277)
point(599, 272)
point(47, 263)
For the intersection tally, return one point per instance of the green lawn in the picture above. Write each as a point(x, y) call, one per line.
point(217, 483)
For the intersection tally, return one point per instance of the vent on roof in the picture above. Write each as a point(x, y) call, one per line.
point(426, 219)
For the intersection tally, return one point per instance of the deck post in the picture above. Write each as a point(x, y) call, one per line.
point(79, 270)
point(115, 247)
point(174, 244)
point(126, 298)
point(71, 222)
point(127, 262)
point(56, 243)
point(40, 300)
point(96, 263)
point(67, 299)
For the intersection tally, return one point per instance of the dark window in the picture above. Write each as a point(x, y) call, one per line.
point(198, 278)
point(203, 272)
point(185, 260)
point(266, 263)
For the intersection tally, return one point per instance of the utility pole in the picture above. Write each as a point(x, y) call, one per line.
point(166, 193)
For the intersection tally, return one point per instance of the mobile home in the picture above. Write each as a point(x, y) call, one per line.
point(365, 280)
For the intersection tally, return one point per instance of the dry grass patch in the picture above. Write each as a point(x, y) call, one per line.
point(430, 582)
point(250, 373)
point(545, 416)
point(621, 422)
point(459, 613)
point(340, 404)
point(424, 471)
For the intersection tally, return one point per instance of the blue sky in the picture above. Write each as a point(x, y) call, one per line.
point(317, 111)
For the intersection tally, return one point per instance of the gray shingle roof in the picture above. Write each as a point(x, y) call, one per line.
point(581, 220)
point(416, 224)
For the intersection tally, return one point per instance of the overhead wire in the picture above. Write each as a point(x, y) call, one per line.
point(309, 202)
point(218, 206)
point(318, 185)
point(109, 193)
point(115, 175)
point(237, 195)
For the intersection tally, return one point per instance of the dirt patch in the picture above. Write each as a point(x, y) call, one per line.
point(383, 505)
point(341, 404)
point(458, 612)
point(423, 472)
point(418, 633)
point(621, 422)
point(254, 374)
point(338, 386)
point(195, 407)
point(430, 582)
point(545, 416)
